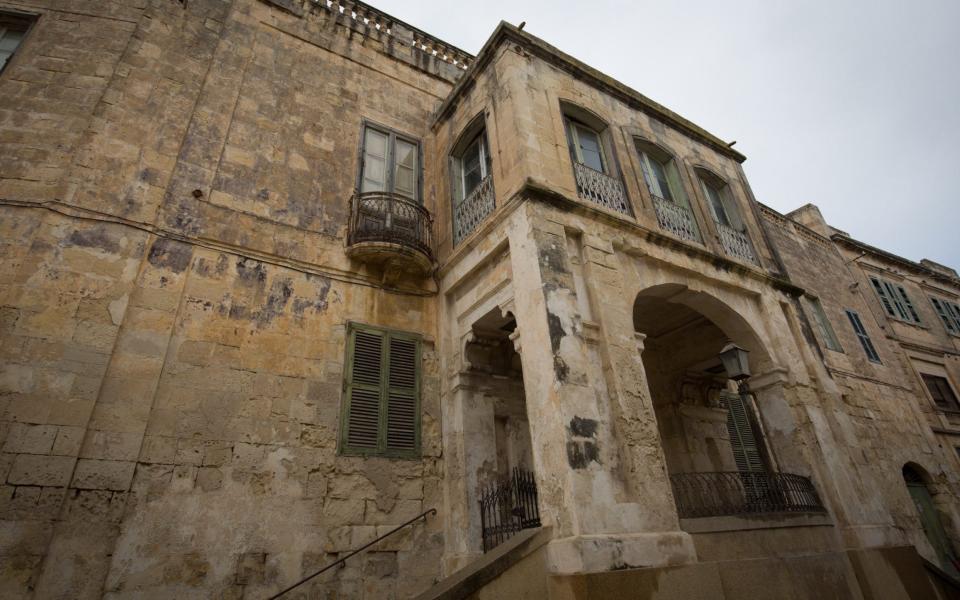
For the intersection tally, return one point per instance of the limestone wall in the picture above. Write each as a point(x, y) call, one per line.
point(174, 297)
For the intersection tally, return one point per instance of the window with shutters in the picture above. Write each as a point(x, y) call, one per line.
point(949, 313)
point(390, 163)
point(381, 406)
point(862, 335)
point(13, 28)
point(745, 439)
point(896, 303)
point(823, 324)
point(941, 392)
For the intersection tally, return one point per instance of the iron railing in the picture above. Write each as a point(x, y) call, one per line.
point(342, 562)
point(386, 217)
point(600, 188)
point(676, 219)
point(508, 507)
point(736, 243)
point(737, 493)
point(473, 210)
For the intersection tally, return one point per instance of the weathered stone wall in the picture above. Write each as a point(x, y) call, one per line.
point(874, 415)
point(175, 184)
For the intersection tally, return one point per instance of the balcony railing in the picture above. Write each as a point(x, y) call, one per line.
point(676, 219)
point(390, 218)
point(508, 507)
point(736, 244)
point(473, 210)
point(600, 188)
point(741, 493)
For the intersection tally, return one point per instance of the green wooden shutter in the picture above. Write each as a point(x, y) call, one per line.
point(746, 450)
point(364, 375)
point(884, 299)
point(381, 412)
point(402, 394)
point(943, 310)
point(906, 301)
point(863, 336)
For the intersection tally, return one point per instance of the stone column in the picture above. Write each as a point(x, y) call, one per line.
point(599, 522)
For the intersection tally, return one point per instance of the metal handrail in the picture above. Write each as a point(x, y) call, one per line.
point(342, 561)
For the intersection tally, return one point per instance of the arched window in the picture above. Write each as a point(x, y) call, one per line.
point(472, 182)
point(591, 152)
point(662, 177)
point(731, 227)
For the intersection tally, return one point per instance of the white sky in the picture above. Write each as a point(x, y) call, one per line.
point(853, 105)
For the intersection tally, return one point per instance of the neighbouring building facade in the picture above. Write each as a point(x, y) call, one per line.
point(279, 276)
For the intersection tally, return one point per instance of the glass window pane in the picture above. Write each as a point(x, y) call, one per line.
point(472, 167)
point(374, 161)
point(590, 148)
point(660, 176)
point(406, 154)
point(716, 204)
point(405, 182)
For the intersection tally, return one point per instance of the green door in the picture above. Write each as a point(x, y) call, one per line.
point(932, 526)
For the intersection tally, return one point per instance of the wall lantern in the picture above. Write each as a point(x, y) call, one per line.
point(734, 359)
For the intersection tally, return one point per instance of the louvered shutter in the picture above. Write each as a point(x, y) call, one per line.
point(364, 390)
point(746, 450)
point(943, 310)
point(882, 292)
point(402, 395)
point(906, 301)
point(382, 393)
point(863, 336)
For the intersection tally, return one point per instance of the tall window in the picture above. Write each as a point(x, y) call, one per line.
point(661, 175)
point(474, 166)
point(585, 145)
point(381, 407)
point(862, 335)
point(949, 314)
point(823, 324)
point(13, 28)
point(745, 437)
point(721, 205)
point(390, 164)
point(941, 392)
point(895, 301)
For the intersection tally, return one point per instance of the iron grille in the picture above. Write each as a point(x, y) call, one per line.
point(736, 244)
point(600, 188)
point(386, 217)
point(736, 493)
point(507, 507)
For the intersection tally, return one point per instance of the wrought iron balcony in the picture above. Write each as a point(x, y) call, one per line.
point(508, 507)
point(676, 219)
point(473, 210)
point(386, 226)
point(742, 493)
point(736, 244)
point(600, 188)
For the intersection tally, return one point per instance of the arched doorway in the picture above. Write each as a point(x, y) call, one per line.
point(917, 480)
point(717, 453)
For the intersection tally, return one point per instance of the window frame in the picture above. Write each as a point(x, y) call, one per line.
point(894, 300)
point(382, 449)
point(861, 332)
point(944, 383)
point(724, 192)
point(390, 184)
point(28, 21)
point(830, 340)
point(571, 125)
point(459, 174)
point(647, 153)
point(949, 313)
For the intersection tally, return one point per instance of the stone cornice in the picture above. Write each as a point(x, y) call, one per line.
point(506, 32)
point(899, 260)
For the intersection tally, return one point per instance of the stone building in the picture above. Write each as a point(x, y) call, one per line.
point(279, 276)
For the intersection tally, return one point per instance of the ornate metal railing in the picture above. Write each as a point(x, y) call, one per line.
point(508, 507)
point(473, 210)
point(738, 493)
point(676, 219)
point(600, 188)
point(386, 217)
point(736, 244)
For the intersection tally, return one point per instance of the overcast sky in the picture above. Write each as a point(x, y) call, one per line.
point(851, 105)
